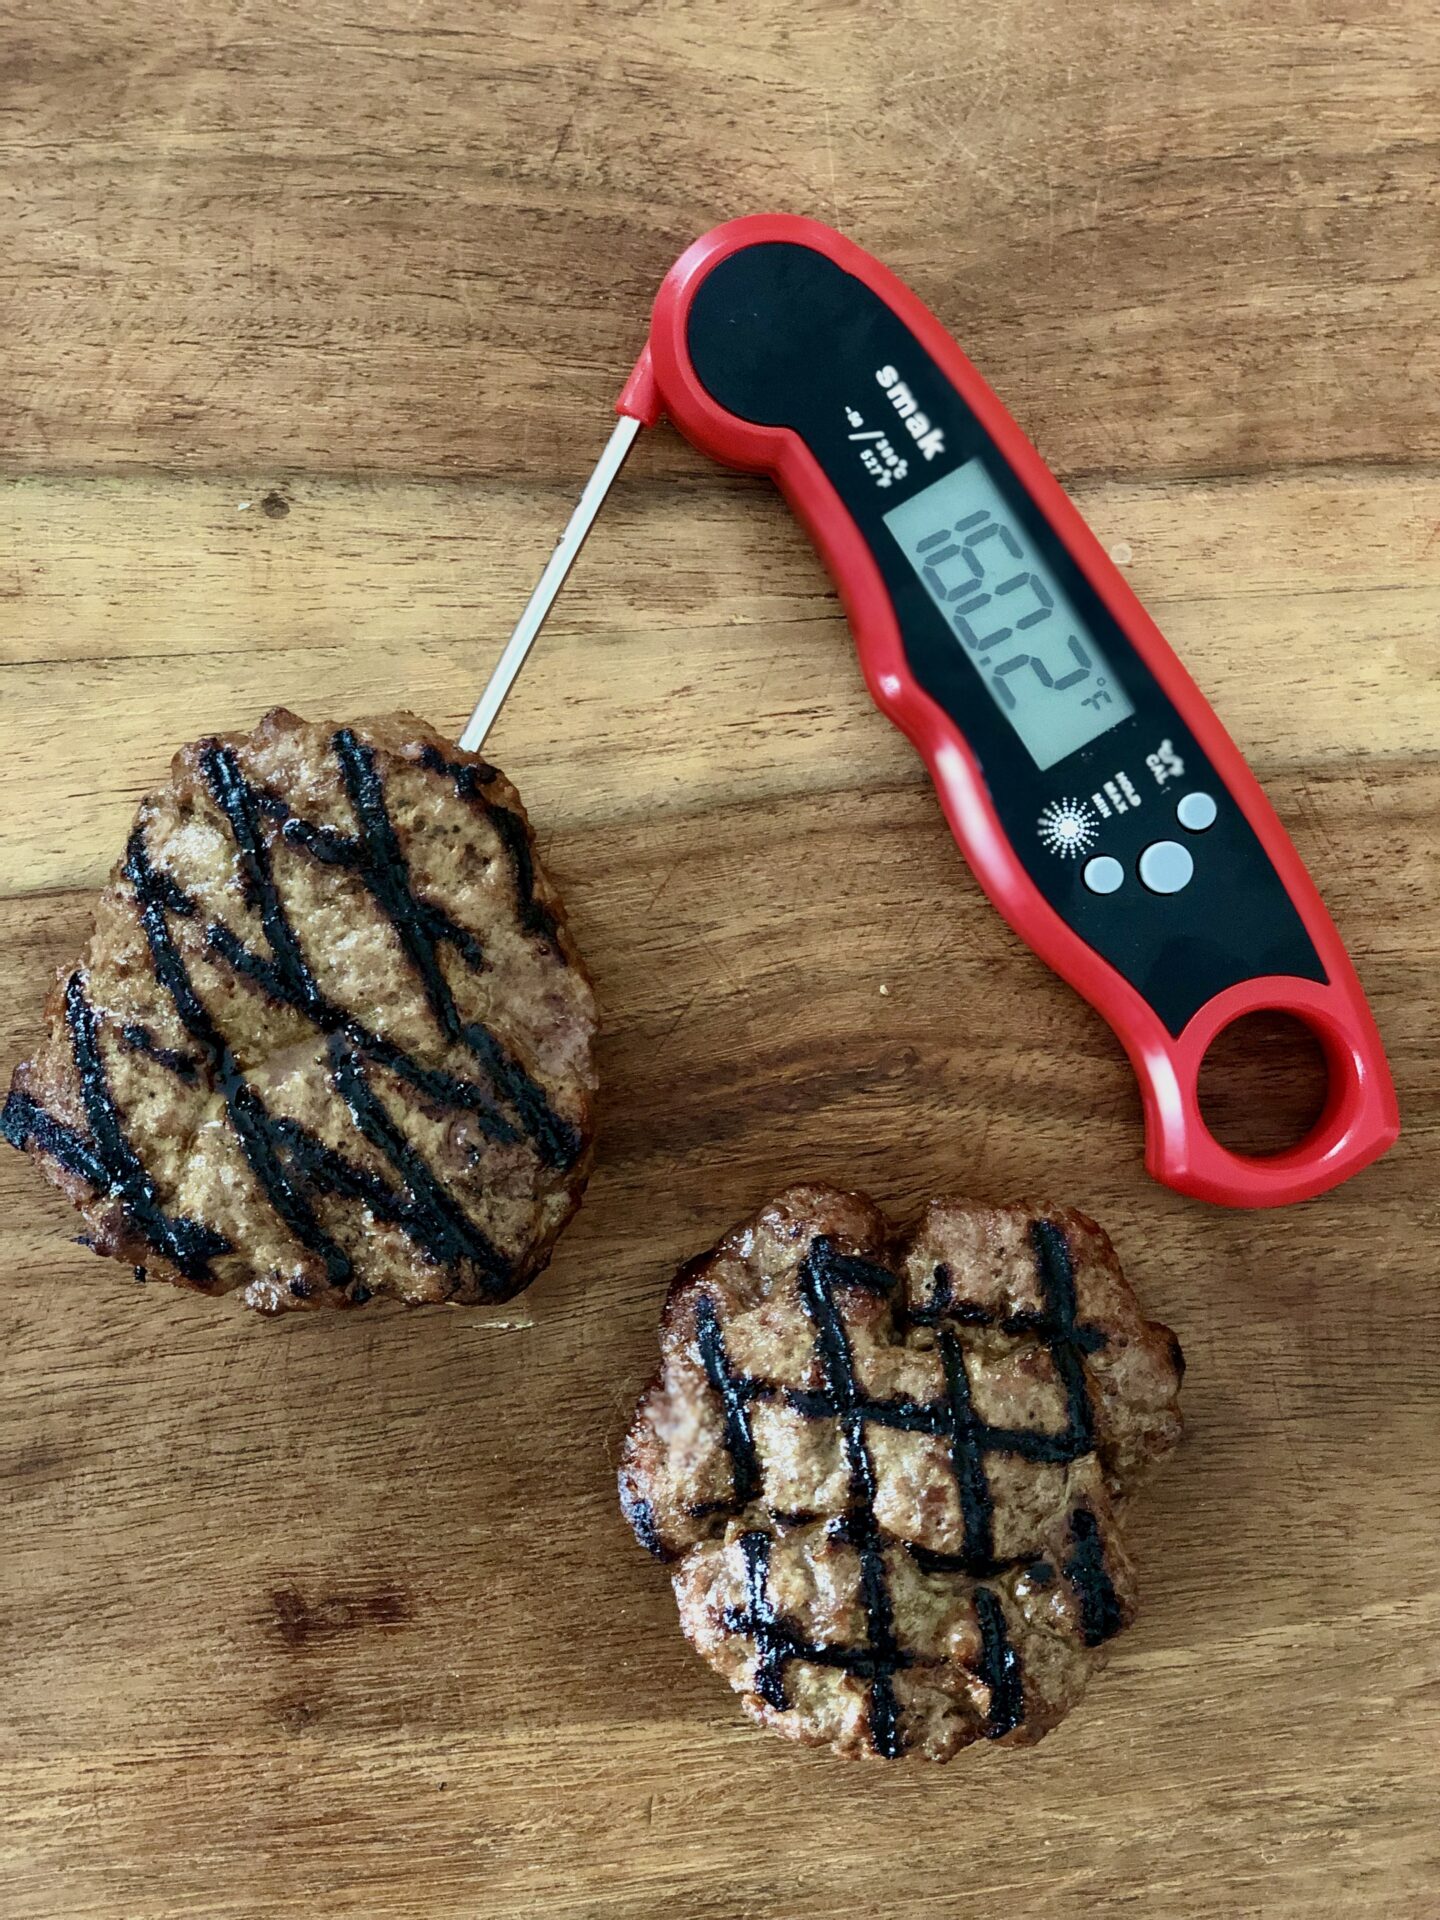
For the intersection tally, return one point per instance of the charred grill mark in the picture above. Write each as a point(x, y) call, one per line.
point(254, 1127)
point(832, 1269)
point(440, 1088)
point(25, 1123)
point(292, 1165)
point(906, 1416)
point(429, 1216)
point(184, 1066)
point(967, 1460)
point(385, 872)
point(775, 1644)
point(736, 1391)
point(469, 783)
point(289, 974)
point(233, 795)
point(106, 1160)
point(930, 1560)
point(942, 1302)
point(377, 859)
point(335, 849)
point(469, 779)
point(951, 1417)
point(778, 1640)
point(555, 1139)
point(822, 1271)
point(535, 916)
point(1101, 1616)
point(999, 1667)
point(1066, 1340)
point(641, 1516)
point(188, 1242)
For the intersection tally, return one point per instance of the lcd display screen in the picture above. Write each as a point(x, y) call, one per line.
point(1036, 658)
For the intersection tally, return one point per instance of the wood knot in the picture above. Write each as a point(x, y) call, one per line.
point(300, 1622)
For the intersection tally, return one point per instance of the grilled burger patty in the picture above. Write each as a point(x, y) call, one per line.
point(331, 1037)
point(887, 1466)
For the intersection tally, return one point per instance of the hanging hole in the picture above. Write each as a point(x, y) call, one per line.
point(1263, 1083)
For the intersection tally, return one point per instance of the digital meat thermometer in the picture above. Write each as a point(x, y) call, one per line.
point(1101, 804)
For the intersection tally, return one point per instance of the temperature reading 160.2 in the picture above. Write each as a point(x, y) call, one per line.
point(1037, 659)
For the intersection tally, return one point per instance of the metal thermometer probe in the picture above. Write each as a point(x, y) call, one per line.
point(551, 580)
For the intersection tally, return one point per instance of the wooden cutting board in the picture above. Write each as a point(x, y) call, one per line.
point(311, 323)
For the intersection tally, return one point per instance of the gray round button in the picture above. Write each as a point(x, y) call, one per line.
point(1196, 812)
point(1166, 866)
point(1103, 875)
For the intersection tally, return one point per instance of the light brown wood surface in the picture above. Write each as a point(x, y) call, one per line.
point(310, 320)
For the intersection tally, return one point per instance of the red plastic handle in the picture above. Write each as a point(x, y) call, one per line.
point(1361, 1118)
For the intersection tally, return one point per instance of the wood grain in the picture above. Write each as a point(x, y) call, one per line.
point(311, 322)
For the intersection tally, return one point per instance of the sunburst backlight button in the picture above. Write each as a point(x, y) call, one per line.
point(1067, 828)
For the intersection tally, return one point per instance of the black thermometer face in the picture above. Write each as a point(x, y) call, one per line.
point(1105, 796)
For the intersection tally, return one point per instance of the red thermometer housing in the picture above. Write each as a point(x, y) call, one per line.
point(1099, 801)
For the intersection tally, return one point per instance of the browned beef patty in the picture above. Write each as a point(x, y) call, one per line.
point(331, 1037)
point(888, 1466)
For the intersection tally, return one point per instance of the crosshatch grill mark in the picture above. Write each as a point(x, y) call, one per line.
point(291, 1164)
point(842, 1398)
